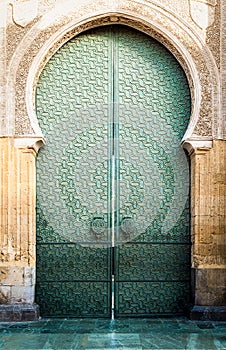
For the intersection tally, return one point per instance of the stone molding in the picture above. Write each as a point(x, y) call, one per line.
point(34, 143)
point(192, 145)
point(56, 27)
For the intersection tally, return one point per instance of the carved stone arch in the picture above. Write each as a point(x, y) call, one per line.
point(150, 28)
point(48, 35)
point(43, 38)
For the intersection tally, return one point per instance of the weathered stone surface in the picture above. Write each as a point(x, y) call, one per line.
point(4, 294)
point(210, 286)
point(17, 223)
point(208, 199)
point(207, 313)
point(21, 276)
point(19, 313)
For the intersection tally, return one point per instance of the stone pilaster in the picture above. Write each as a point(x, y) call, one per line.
point(208, 227)
point(17, 224)
point(223, 67)
point(3, 7)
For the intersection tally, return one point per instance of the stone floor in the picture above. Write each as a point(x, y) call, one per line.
point(126, 334)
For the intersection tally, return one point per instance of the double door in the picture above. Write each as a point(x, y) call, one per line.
point(112, 180)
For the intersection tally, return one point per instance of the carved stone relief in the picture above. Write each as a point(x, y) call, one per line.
point(160, 24)
point(213, 35)
point(181, 7)
point(45, 5)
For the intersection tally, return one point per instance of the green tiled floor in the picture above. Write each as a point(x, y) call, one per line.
point(126, 334)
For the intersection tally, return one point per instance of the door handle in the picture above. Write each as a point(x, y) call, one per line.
point(127, 225)
point(98, 225)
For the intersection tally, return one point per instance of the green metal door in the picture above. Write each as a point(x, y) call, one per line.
point(112, 180)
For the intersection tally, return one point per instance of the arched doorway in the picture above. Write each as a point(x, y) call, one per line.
point(112, 180)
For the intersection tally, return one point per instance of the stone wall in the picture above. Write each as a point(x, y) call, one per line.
point(17, 223)
point(208, 194)
point(30, 33)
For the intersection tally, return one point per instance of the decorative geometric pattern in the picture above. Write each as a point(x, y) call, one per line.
point(75, 299)
point(91, 263)
point(72, 180)
point(154, 110)
point(161, 298)
point(113, 105)
point(158, 262)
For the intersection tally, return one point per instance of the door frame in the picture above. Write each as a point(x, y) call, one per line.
point(22, 136)
point(113, 46)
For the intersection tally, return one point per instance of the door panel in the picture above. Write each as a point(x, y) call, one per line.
point(112, 180)
point(74, 270)
point(154, 105)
